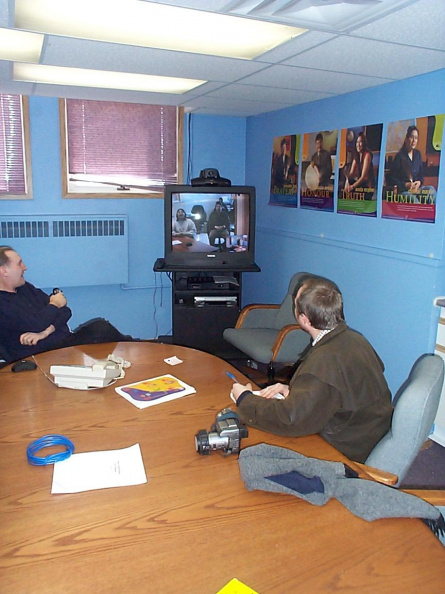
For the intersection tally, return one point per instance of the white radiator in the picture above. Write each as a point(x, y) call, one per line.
point(69, 250)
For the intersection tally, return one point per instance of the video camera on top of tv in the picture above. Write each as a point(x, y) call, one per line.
point(210, 177)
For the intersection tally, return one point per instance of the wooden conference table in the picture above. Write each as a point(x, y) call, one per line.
point(193, 526)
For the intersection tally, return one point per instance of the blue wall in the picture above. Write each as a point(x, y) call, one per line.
point(389, 271)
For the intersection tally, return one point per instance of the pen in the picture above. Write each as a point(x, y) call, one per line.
point(232, 377)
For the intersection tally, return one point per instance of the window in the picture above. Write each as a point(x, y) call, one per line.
point(124, 150)
point(15, 160)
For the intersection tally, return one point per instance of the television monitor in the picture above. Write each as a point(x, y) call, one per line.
point(209, 227)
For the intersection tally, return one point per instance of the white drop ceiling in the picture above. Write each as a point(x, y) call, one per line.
point(350, 45)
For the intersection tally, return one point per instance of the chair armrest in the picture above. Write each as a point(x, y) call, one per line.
point(284, 332)
point(252, 308)
point(373, 474)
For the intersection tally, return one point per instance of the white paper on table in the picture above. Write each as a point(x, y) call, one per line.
point(99, 470)
point(173, 360)
point(278, 396)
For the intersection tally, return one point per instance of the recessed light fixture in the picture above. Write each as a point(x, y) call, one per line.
point(20, 46)
point(149, 24)
point(323, 15)
point(79, 77)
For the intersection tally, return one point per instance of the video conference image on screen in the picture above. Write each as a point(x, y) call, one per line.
point(210, 222)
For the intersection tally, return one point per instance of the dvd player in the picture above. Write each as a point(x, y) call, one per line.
point(215, 300)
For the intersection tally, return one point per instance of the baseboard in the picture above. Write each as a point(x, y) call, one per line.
point(438, 435)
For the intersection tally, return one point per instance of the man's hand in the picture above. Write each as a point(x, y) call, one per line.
point(32, 338)
point(272, 391)
point(59, 299)
point(238, 389)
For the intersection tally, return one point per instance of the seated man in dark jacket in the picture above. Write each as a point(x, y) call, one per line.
point(32, 321)
point(338, 389)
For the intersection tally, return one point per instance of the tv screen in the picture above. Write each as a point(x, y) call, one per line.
point(209, 227)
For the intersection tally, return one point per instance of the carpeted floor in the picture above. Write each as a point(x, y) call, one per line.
point(428, 469)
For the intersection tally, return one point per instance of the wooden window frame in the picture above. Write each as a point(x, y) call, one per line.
point(26, 139)
point(112, 192)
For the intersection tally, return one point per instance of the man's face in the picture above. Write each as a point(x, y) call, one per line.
point(14, 270)
point(302, 319)
point(318, 145)
point(297, 313)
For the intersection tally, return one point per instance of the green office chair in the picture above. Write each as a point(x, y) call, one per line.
point(269, 333)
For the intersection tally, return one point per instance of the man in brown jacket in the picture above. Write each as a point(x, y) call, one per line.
point(338, 391)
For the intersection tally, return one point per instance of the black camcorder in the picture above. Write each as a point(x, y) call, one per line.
point(225, 434)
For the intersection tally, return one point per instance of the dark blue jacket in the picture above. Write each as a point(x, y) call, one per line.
point(29, 310)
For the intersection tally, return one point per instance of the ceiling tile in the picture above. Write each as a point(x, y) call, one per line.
point(376, 58)
point(6, 19)
point(293, 77)
point(234, 107)
point(80, 53)
point(421, 25)
point(295, 46)
point(271, 94)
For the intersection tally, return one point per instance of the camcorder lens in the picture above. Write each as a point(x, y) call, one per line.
point(202, 444)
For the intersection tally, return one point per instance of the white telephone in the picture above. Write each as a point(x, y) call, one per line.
point(84, 377)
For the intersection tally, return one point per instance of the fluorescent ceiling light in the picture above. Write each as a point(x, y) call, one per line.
point(147, 24)
point(328, 15)
point(79, 77)
point(20, 46)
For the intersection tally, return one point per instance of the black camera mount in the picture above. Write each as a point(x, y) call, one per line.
point(210, 177)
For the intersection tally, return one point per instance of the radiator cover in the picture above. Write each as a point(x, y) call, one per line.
point(69, 250)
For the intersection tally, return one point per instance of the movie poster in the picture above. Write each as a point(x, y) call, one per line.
point(412, 163)
point(285, 168)
point(317, 170)
point(359, 156)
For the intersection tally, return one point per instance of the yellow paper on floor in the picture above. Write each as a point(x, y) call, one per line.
point(236, 587)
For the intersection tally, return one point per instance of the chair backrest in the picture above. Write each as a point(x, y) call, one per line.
point(416, 404)
point(285, 314)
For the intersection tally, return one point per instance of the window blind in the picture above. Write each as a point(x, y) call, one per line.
point(122, 142)
point(12, 160)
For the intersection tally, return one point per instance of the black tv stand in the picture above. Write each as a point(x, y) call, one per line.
point(204, 304)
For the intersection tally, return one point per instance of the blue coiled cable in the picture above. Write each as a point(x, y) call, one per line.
point(45, 442)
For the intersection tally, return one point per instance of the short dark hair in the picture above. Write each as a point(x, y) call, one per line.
point(321, 302)
point(319, 137)
point(4, 258)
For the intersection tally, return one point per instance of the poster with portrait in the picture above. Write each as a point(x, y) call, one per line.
point(317, 170)
point(412, 162)
point(358, 165)
point(284, 172)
